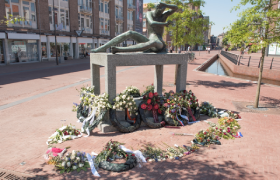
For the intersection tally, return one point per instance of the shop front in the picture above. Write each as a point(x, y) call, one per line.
point(2, 56)
point(85, 46)
point(23, 47)
point(62, 48)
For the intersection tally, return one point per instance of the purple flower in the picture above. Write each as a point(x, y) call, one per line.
point(173, 111)
point(76, 104)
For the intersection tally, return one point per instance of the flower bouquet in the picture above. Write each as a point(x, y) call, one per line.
point(151, 106)
point(208, 109)
point(76, 160)
point(228, 127)
point(112, 151)
point(192, 105)
point(86, 99)
point(63, 134)
point(174, 113)
point(154, 154)
point(125, 108)
point(206, 137)
point(132, 91)
point(150, 88)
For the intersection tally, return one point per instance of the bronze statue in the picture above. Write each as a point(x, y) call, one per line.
point(155, 24)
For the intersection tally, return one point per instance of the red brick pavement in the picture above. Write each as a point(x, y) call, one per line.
point(26, 127)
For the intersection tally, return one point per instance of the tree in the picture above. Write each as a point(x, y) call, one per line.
point(258, 25)
point(188, 24)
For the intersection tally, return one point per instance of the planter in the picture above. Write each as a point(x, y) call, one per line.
point(120, 120)
point(148, 118)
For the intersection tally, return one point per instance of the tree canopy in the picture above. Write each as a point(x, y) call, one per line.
point(188, 23)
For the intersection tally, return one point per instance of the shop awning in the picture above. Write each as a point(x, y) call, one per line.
point(23, 36)
point(2, 36)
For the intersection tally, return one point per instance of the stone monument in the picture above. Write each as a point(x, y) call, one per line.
point(153, 53)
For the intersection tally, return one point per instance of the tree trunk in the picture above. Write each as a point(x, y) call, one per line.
point(256, 105)
point(176, 68)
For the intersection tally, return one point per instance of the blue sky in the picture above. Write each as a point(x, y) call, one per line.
point(219, 13)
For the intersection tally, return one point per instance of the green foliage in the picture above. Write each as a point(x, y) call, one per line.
point(256, 25)
point(11, 19)
point(188, 24)
point(151, 6)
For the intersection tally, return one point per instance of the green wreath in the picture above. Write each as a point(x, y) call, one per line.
point(115, 122)
point(130, 163)
point(81, 112)
point(111, 150)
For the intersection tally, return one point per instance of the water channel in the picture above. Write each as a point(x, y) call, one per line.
point(219, 68)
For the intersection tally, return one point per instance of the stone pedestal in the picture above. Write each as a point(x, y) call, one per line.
point(111, 61)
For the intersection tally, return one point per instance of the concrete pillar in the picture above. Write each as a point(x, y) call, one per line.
point(77, 49)
point(6, 51)
point(93, 44)
point(158, 78)
point(71, 48)
point(40, 50)
point(48, 48)
point(98, 43)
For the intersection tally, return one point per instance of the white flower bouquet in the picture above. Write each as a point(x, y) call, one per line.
point(63, 134)
point(86, 98)
point(74, 161)
point(132, 91)
point(123, 101)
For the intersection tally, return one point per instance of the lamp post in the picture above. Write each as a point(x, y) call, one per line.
point(55, 35)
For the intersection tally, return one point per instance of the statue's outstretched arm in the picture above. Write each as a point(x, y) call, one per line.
point(173, 8)
point(154, 23)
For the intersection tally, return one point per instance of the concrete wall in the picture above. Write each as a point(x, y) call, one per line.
point(250, 71)
point(208, 62)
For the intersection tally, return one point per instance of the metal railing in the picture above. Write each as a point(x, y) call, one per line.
point(230, 56)
point(26, 23)
point(119, 18)
point(85, 9)
point(255, 61)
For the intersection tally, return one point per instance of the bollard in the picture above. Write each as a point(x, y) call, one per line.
point(249, 61)
point(271, 63)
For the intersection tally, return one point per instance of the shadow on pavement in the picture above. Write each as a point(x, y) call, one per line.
point(42, 73)
point(221, 84)
point(188, 167)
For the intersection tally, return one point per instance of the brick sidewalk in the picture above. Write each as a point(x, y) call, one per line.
point(25, 127)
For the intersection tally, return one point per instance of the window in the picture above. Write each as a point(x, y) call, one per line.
point(62, 19)
point(144, 23)
point(106, 7)
point(82, 23)
point(26, 13)
point(87, 22)
point(25, 2)
point(102, 6)
point(15, 10)
point(128, 15)
point(32, 7)
point(15, 1)
point(67, 18)
point(79, 20)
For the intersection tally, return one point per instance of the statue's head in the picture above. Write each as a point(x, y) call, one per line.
point(159, 9)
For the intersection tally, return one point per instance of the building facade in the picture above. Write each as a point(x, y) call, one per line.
point(80, 25)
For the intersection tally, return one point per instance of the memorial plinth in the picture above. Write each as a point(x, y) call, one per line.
point(111, 61)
